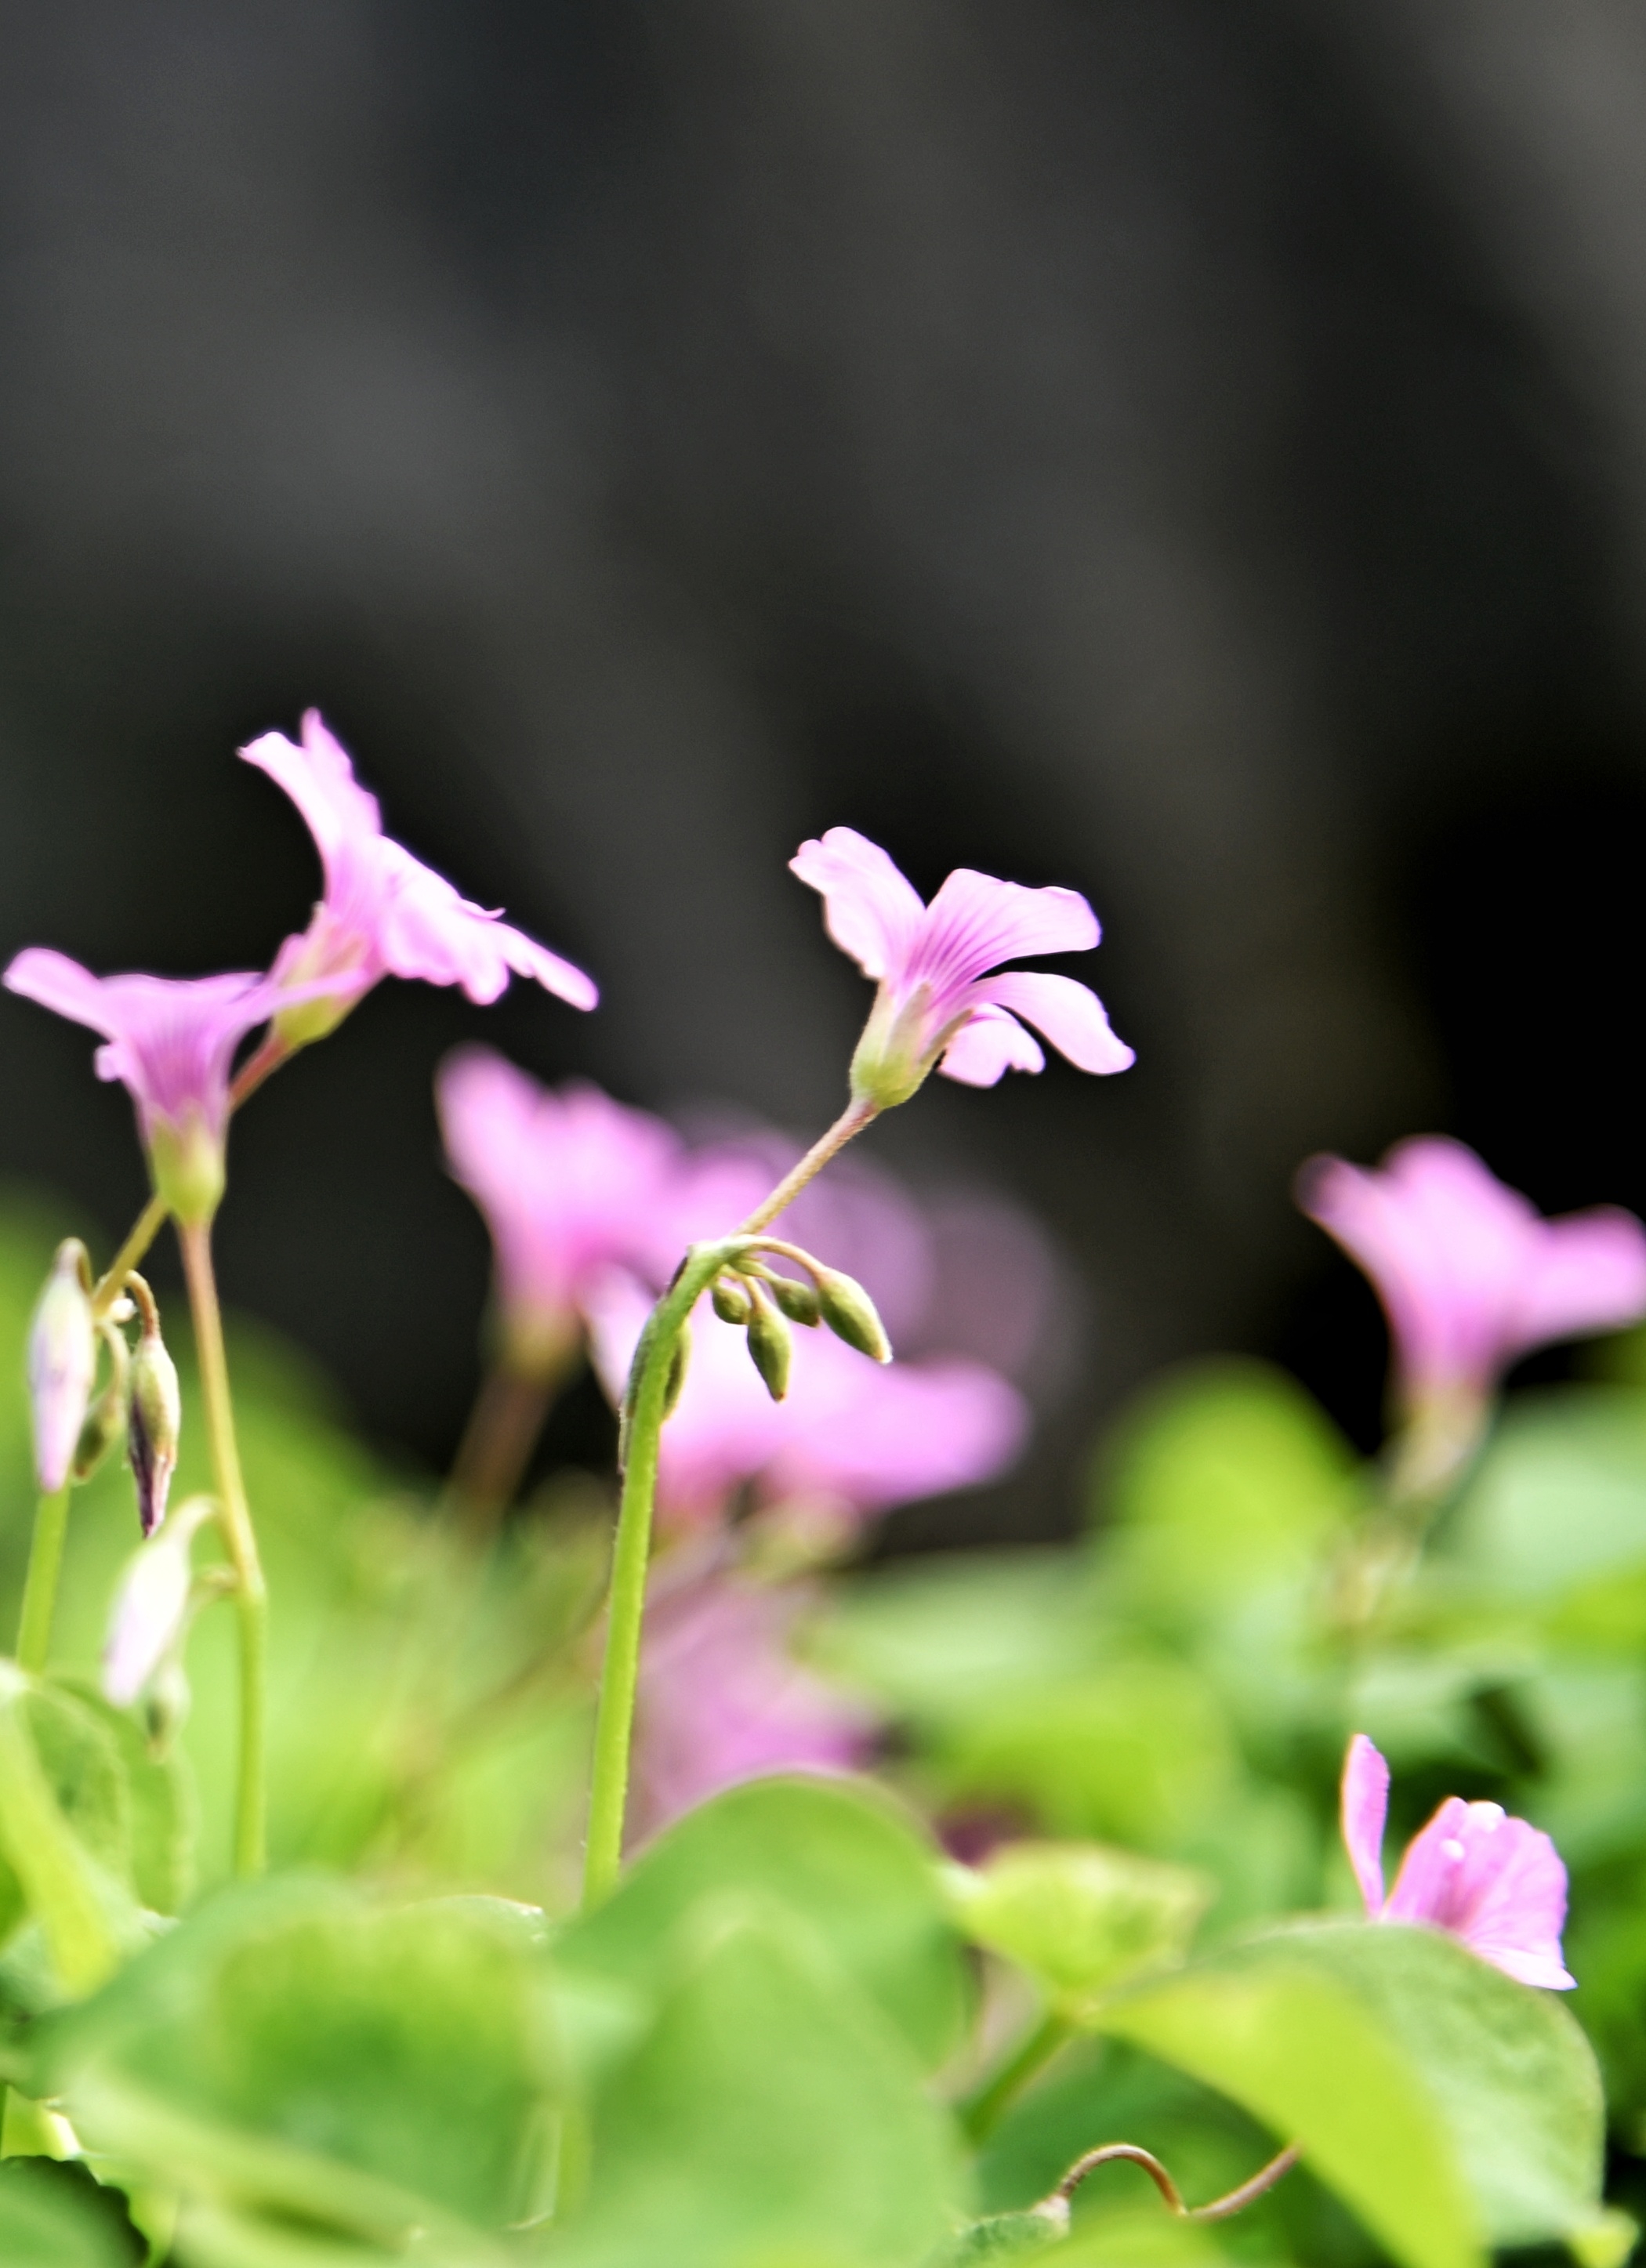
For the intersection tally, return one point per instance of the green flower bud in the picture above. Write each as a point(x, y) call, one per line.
point(155, 1419)
point(730, 1302)
point(799, 1302)
point(851, 1315)
point(771, 1347)
point(677, 1364)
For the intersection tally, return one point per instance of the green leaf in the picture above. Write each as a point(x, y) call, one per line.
point(838, 1855)
point(771, 2114)
point(1079, 1917)
point(1302, 2053)
point(1222, 1479)
point(1440, 2099)
point(1007, 2236)
point(53, 2216)
point(293, 2047)
point(160, 1797)
point(56, 1765)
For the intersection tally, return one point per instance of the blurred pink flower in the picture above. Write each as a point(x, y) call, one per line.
point(384, 912)
point(937, 1003)
point(1469, 1276)
point(852, 1435)
point(1495, 1882)
point(171, 1043)
point(571, 1184)
point(722, 1699)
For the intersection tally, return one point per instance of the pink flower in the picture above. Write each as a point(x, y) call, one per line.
point(1495, 1882)
point(1469, 1276)
point(722, 1699)
point(937, 1003)
point(385, 913)
point(570, 1184)
point(172, 1043)
point(851, 1437)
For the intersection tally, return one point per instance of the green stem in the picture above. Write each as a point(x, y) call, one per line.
point(614, 1723)
point(145, 1229)
point(39, 1589)
point(983, 2111)
point(251, 1598)
point(852, 1121)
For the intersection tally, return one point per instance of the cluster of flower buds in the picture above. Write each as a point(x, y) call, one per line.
point(75, 1427)
point(758, 1300)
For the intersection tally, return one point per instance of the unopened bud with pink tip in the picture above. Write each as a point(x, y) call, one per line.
point(61, 1364)
point(151, 1605)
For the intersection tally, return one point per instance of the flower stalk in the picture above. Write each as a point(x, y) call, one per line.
point(39, 1588)
point(251, 1601)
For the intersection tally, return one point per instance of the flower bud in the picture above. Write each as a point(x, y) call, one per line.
point(771, 1347)
point(730, 1302)
point(150, 1609)
point(62, 1363)
point(851, 1315)
point(799, 1302)
point(678, 1363)
point(105, 1419)
point(156, 1420)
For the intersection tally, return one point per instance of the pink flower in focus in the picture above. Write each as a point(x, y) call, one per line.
point(1469, 1276)
point(384, 912)
point(1495, 1882)
point(852, 1435)
point(172, 1043)
point(722, 1699)
point(570, 1184)
point(937, 1003)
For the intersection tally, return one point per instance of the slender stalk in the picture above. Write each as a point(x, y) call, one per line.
point(251, 1598)
point(614, 1723)
point(983, 2111)
point(852, 1121)
point(1222, 2208)
point(39, 1588)
point(266, 1057)
point(145, 1229)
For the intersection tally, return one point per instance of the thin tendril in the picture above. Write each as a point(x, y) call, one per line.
point(1219, 2209)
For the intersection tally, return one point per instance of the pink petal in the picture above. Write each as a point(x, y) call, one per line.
point(1365, 1808)
point(526, 958)
point(871, 911)
point(1496, 1882)
point(877, 1436)
point(62, 986)
point(987, 1045)
point(320, 779)
point(1070, 1015)
point(1585, 1272)
point(975, 923)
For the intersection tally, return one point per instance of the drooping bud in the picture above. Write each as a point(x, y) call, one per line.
point(105, 1419)
point(62, 1363)
point(771, 1347)
point(155, 1415)
point(799, 1302)
point(851, 1315)
point(150, 1611)
point(730, 1302)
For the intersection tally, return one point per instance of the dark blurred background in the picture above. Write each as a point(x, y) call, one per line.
point(1190, 450)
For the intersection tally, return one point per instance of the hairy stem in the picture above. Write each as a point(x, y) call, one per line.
point(852, 1120)
point(614, 1724)
point(39, 1588)
point(251, 1598)
point(145, 1229)
point(983, 2111)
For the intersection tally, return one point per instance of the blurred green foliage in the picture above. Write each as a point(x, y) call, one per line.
point(397, 2047)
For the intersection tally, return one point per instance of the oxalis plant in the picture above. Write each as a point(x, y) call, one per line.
point(792, 2029)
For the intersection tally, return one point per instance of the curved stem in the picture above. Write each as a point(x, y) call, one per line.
point(39, 1588)
point(852, 1121)
point(251, 1598)
point(145, 1229)
point(1221, 2208)
point(983, 2111)
point(614, 1724)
